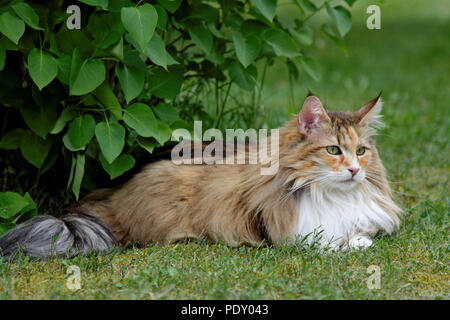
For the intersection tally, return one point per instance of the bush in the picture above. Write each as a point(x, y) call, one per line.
point(132, 73)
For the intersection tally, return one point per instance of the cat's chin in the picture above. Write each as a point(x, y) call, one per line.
point(347, 185)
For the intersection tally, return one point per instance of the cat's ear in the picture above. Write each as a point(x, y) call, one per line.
point(312, 115)
point(370, 114)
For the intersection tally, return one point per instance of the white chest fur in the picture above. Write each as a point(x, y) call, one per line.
point(333, 215)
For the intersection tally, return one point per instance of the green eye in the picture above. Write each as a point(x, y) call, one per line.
point(360, 151)
point(334, 150)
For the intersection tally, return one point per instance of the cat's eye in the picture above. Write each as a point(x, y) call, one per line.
point(360, 151)
point(334, 150)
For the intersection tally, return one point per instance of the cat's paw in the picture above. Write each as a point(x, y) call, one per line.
point(359, 242)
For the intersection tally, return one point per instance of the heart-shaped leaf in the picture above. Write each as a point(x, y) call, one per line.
point(85, 75)
point(131, 81)
point(200, 35)
point(166, 112)
point(34, 149)
point(341, 17)
point(111, 139)
point(12, 139)
point(140, 22)
point(267, 7)
point(140, 117)
point(27, 13)
point(311, 67)
point(165, 84)
point(108, 99)
point(43, 67)
point(244, 77)
point(11, 26)
point(81, 130)
point(122, 164)
point(10, 204)
point(281, 42)
point(247, 49)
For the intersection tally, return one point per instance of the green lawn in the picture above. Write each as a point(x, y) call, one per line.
point(409, 60)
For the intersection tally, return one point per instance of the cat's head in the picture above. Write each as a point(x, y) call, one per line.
point(335, 148)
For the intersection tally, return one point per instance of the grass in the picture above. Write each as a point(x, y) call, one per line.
point(408, 59)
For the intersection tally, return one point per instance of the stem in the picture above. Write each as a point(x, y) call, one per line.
point(258, 101)
point(224, 102)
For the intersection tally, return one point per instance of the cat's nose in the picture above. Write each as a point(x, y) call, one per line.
point(353, 171)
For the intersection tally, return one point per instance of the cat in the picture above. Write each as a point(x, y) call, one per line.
point(330, 189)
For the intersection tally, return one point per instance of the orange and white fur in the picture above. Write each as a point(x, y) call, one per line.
point(331, 187)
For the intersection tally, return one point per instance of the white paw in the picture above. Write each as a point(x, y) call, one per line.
point(359, 242)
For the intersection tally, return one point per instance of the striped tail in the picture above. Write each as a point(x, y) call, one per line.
point(46, 236)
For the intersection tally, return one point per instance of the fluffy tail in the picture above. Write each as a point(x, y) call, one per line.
point(46, 236)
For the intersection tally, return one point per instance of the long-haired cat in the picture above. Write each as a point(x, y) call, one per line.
point(331, 186)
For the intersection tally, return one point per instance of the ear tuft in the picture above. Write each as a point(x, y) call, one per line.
point(312, 115)
point(370, 114)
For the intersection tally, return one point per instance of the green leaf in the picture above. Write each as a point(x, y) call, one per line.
point(68, 144)
point(28, 212)
point(200, 35)
point(341, 17)
point(66, 115)
point(41, 120)
point(109, 99)
point(97, 3)
point(122, 164)
point(27, 14)
point(247, 49)
point(111, 139)
point(350, 2)
point(105, 28)
point(131, 81)
point(11, 26)
point(303, 36)
point(163, 132)
point(281, 42)
point(140, 22)
point(12, 139)
point(170, 5)
point(162, 17)
point(328, 31)
point(267, 7)
point(34, 149)
point(165, 84)
point(244, 77)
point(140, 117)
point(311, 67)
point(307, 4)
point(49, 160)
point(81, 130)
point(156, 51)
point(64, 63)
point(78, 174)
point(72, 171)
point(147, 143)
point(10, 204)
point(5, 226)
point(166, 112)
point(43, 67)
point(69, 41)
point(85, 75)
